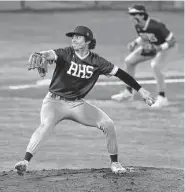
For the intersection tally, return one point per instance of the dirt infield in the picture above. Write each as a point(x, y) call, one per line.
point(138, 179)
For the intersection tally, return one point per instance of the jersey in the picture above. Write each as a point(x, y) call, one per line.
point(155, 32)
point(74, 76)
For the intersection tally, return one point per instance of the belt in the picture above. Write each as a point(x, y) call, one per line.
point(58, 97)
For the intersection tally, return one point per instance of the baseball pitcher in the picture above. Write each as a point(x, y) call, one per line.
point(77, 70)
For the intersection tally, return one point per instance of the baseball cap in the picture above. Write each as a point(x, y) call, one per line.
point(81, 30)
point(137, 9)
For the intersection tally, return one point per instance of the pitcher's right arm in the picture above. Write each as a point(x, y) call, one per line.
point(50, 55)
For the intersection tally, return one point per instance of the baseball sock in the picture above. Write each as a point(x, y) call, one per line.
point(114, 158)
point(162, 94)
point(129, 89)
point(28, 156)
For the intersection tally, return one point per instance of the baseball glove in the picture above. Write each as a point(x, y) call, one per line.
point(38, 61)
point(148, 49)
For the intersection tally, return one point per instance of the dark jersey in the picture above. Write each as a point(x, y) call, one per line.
point(155, 32)
point(74, 77)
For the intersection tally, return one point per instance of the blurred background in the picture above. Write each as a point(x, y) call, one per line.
point(43, 5)
point(28, 26)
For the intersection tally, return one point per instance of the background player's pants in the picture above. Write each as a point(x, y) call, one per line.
point(54, 110)
point(157, 65)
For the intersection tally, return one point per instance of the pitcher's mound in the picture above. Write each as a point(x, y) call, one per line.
point(137, 179)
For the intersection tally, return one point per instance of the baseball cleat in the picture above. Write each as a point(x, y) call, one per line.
point(117, 168)
point(124, 95)
point(21, 167)
point(160, 102)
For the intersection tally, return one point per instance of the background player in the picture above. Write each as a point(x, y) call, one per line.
point(77, 70)
point(153, 42)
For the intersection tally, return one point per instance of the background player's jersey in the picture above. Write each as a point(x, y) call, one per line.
point(155, 32)
point(74, 77)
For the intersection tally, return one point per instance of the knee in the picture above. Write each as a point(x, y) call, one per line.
point(155, 67)
point(129, 61)
point(45, 125)
point(109, 123)
point(108, 126)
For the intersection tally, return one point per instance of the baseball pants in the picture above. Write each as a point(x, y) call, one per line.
point(157, 65)
point(55, 110)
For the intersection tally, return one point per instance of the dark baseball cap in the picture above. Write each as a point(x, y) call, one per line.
point(137, 9)
point(81, 30)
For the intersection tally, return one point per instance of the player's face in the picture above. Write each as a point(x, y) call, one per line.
point(78, 42)
point(137, 18)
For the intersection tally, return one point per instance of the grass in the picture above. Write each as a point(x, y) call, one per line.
point(146, 137)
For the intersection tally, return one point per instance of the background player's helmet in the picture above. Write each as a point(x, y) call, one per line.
point(86, 32)
point(81, 30)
